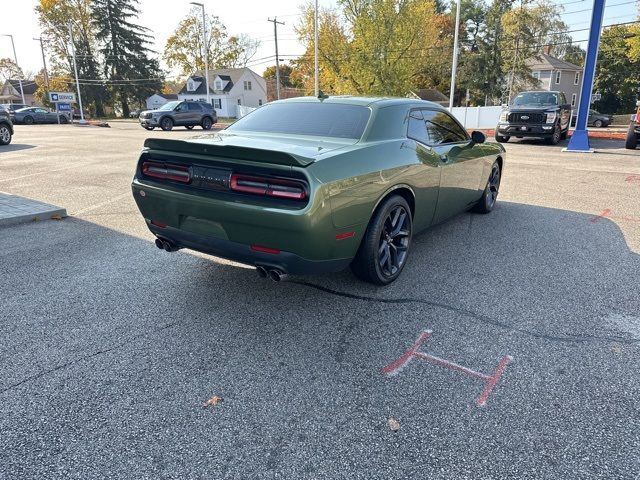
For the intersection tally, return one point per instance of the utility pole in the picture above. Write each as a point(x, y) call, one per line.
point(315, 47)
point(205, 48)
point(275, 36)
point(454, 66)
point(44, 63)
point(75, 70)
point(15, 58)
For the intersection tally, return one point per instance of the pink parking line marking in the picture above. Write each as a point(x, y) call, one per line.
point(632, 178)
point(602, 214)
point(490, 381)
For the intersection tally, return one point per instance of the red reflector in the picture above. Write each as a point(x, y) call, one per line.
point(261, 249)
point(269, 187)
point(345, 235)
point(158, 224)
point(166, 171)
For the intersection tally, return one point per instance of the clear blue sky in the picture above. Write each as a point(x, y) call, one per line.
point(250, 17)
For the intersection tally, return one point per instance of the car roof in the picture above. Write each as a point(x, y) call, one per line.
point(374, 102)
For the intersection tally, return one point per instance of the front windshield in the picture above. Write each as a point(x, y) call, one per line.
point(535, 99)
point(338, 120)
point(169, 106)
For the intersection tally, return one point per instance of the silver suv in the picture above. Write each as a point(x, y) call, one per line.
point(183, 113)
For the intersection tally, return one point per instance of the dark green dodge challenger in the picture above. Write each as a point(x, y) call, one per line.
point(316, 184)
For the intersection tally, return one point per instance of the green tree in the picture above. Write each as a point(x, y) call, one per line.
point(9, 70)
point(289, 76)
point(184, 48)
point(617, 76)
point(54, 17)
point(131, 72)
point(380, 47)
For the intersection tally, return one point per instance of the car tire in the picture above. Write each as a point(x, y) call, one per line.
point(189, 127)
point(385, 246)
point(64, 120)
point(207, 123)
point(28, 120)
point(555, 137)
point(598, 124)
point(501, 139)
point(5, 135)
point(148, 128)
point(166, 124)
point(631, 141)
point(491, 190)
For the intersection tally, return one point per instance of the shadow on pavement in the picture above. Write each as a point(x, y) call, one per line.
point(14, 147)
point(111, 347)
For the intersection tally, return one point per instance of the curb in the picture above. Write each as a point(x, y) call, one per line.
point(15, 210)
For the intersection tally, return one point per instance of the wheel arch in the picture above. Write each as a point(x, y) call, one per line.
point(404, 191)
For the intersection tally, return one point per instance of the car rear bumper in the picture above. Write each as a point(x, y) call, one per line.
point(521, 130)
point(236, 227)
point(286, 262)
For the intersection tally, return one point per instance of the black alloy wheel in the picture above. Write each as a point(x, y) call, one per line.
point(598, 123)
point(384, 249)
point(63, 120)
point(554, 139)
point(490, 194)
point(166, 124)
point(207, 123)
point(28, 120)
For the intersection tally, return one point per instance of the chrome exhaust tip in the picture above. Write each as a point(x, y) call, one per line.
point(277, 275)
point(159, 244)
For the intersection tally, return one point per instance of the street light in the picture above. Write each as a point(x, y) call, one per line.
point(15, 58)
point(454, 66)
point(205, 48)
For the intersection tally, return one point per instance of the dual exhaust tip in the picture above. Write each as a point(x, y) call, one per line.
point(273, 273)
point(166, 245)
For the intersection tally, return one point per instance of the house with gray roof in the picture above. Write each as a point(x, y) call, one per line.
point(554, 74)
point(10, 92)
point(228, 88)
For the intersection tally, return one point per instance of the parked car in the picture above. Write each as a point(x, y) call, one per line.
point(135, 113)
point(12, 107)
point(308, 185)
point(183, 113)
point(32, 115)
point(6, 128)
point(595, 119)
point(538, 114)
point(76, 113)
point(633, 133)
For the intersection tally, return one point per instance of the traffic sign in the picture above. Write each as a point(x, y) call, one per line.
point(67, 97)
point(64, 107)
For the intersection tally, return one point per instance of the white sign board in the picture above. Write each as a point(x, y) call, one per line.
point(66, 97)
point(595, 97)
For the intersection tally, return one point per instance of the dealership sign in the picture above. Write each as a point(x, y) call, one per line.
point(67, 97)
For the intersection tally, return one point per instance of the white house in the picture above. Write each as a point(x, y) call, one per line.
point(228, 88)
point(158, 99)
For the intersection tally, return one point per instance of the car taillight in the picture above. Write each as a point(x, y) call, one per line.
point(270, 187)
point(166, 171)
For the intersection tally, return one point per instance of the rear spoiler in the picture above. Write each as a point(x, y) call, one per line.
point(228, 151)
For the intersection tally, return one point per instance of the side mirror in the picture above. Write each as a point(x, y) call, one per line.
point(478, 137)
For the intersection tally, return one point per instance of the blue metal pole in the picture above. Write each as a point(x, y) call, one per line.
point(579, 141)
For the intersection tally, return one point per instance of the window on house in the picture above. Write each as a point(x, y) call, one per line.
point(260, 102)
point(190, 86)
point(247, 84)
point(536, 75)
point(217, 103)
point(576, 79)
point(558, 76)
point(573, 99)
point(218, 85)
point(239, 102)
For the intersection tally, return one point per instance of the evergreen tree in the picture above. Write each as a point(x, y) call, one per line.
point(131, 72)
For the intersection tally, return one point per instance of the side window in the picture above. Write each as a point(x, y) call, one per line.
point(417, 130)
point(442, 128)
point(194, 107)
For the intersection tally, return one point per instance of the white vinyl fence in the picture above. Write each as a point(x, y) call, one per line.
point(477, 117)
point(243, 110)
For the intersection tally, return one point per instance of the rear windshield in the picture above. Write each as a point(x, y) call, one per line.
point(535, 99)
point(316, 119)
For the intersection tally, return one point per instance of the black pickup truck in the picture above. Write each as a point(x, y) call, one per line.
point(538, 114)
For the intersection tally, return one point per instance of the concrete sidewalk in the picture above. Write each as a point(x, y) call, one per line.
point(15, 209)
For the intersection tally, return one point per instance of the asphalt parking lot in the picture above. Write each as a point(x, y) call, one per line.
point(111, 348)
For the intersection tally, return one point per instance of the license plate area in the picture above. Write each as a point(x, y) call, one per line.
point(210, 178)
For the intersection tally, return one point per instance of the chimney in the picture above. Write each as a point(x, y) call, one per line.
point(547, 50)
